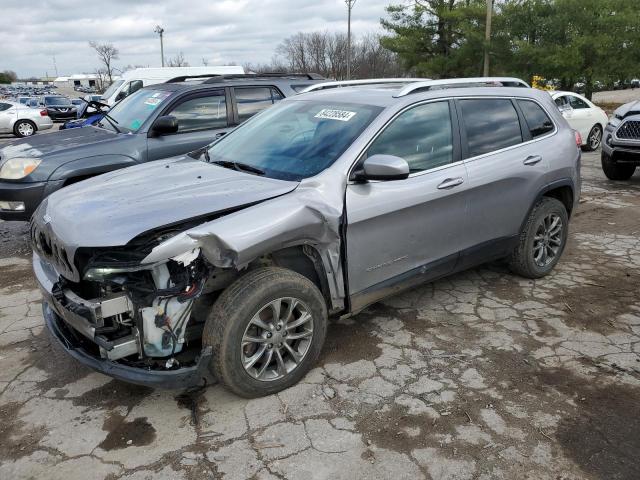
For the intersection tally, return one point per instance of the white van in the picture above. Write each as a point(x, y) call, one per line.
point(133, 80)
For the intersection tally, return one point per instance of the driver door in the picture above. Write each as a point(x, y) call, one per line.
point(201, 119)
point(403, 232)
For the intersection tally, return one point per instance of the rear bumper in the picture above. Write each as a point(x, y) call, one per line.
point(73, 333)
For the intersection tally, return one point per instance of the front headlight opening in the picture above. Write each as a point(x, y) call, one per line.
point(17, 168)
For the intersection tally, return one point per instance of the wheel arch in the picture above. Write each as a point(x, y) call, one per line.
point(305, 260)
point(562, 190)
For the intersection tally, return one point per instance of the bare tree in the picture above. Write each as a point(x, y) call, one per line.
point(178, 61)
point(107, 53)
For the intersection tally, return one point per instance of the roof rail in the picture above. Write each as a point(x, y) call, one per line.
point(461, 82)
point(350, 83)
point(213, 78)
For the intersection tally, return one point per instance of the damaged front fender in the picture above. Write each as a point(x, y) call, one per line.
point(233, 241)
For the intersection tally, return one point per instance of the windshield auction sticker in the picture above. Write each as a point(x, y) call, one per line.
point(330, 114)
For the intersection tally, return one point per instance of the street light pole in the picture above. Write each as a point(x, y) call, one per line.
point(350, 4)
point(160, 31)
point(487, 37)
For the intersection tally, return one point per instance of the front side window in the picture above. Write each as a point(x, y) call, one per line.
point(254, 99)
point(295, 140)
point(490, 124)
point(537, 120)
point(131, 113)
point(577, 103)
point(4, 106)
point(201, 113)
point(422, 136)
point(112, 88)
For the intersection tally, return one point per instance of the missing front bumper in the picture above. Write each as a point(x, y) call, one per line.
point(181, 378)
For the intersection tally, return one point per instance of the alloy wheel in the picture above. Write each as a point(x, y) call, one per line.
point(595, 137)
point(547, 241)
point(277, 339)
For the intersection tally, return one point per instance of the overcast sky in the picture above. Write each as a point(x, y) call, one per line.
point(222, 31)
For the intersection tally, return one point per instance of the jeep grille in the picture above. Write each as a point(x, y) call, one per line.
point(50, 249)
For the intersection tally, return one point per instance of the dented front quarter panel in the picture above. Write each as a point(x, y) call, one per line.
point(302, 217)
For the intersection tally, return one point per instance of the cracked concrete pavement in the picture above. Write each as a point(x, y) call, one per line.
point(483, 375)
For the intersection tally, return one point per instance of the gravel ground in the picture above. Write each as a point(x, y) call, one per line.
point(617, 96)
point(483, 375)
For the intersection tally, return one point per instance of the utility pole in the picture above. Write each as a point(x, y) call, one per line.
point(160, 31)
point(487, 37)
point(55, 66)
point(350, 4)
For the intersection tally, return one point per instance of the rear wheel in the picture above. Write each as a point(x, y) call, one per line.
point(24, 128)
point(616, 171)
point(594, 139)
point(266, 330)
point(542, 240)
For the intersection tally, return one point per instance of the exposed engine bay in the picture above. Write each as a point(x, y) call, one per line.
point(146, 316)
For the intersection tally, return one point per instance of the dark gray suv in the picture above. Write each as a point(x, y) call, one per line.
point(156, 122)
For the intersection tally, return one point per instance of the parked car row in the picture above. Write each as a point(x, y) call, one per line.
point(284, 200)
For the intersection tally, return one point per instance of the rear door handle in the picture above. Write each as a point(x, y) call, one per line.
point(532, 160)
point(450, 183)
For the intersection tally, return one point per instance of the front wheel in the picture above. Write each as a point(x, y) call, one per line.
point(594, 139)
point(614, 170)
point(24, 128)
point(542, 239)
point(266, 330)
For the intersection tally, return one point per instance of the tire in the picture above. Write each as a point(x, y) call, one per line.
point(24, 128)
point(594, 139)
point(532, 257)
point(616, 171)
point(232, 317)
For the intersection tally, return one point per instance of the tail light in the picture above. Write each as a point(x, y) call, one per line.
point(43, 113)
point(578, 138)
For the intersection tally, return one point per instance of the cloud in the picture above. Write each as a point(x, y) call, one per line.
point(240, 31)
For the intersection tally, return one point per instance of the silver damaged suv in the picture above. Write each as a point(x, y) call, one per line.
point(228, 262)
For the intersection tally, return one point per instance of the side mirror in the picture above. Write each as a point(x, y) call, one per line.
point(383, 167)
point(165, 125)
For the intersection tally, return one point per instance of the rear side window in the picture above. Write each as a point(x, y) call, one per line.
point(537, 120)
point(4, 106)
point(576, 102)
point(202, 113)
point(254, 99)
point(421, 135)
point(490, 124)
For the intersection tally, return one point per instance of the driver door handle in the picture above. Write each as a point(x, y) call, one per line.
point(532, 160)
point(450, 183)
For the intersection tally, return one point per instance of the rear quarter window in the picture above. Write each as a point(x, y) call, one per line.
point(538, 122)
point(490, 124)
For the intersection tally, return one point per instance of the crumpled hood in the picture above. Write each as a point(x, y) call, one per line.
point(63, 141)
point(112, 209)
point(631, 108)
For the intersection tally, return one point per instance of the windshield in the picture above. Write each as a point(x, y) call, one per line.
point(295, 140)
point(57, 101)
point(131, 113)
point(112, 88)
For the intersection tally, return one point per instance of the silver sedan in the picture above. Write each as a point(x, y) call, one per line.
point(21, 120)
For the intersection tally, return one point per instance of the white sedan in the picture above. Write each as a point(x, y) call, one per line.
point(583, 116)
point(21, 120)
